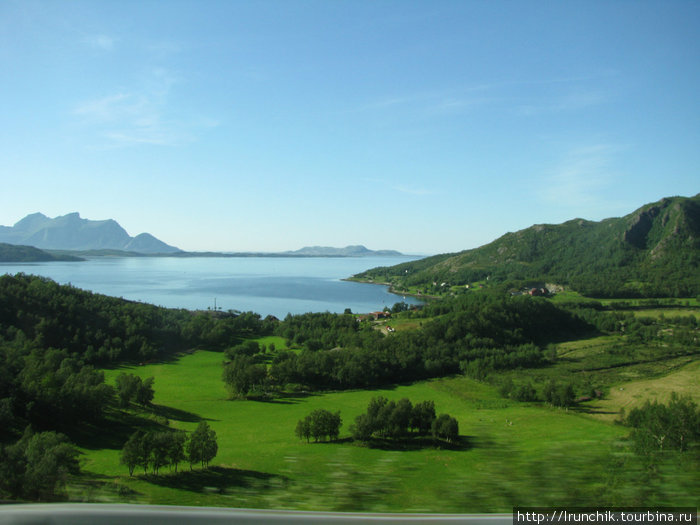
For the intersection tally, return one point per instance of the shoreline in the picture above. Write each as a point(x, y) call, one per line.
point(391, 289)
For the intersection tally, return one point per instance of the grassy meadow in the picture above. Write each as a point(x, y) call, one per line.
point(510, 453)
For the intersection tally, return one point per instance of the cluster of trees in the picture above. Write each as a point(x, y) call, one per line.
point(399, 419)
point(247, 348)
point(37, 466)
point(131, 387)
point(323, 331)
point(659, 427)
point(50, 388)
point(156, 450)
point(556, 393)
point(244, 376)
point(319, 425)
point(559, 394)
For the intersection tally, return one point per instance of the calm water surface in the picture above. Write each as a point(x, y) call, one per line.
point(267, 285)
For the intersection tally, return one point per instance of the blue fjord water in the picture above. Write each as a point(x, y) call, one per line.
point(266, 285)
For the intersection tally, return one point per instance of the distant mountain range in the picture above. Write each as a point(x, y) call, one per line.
point(84, 237)
point(71, 232)
point(653, 251)
point(348, 251)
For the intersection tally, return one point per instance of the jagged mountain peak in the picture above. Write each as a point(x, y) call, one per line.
point(72, 232)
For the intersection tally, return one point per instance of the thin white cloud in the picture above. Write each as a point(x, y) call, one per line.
point(140, 116)
point(110, 108)
point(572, 101)
point(567, 94)
point(401, 188)
point(413, 191)
point(582, 177)
point(430, 103)
point(103, 42)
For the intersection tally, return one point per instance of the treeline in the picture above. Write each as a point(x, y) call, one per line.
point(156, 450)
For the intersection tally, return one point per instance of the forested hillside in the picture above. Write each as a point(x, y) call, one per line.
point(52, 338)
point(652, 252)
point(19, 253)
point(477, 334)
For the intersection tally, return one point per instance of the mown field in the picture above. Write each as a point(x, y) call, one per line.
point(510, 453)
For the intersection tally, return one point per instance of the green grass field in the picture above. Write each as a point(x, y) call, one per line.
point(667, 312)
point(684, 380)
point(509, 451)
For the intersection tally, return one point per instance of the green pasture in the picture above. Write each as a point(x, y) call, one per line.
point(666, 302)
point(684, 380)
point(667, 312)
point(401, 322)
point(262, 464)
point(279, 342)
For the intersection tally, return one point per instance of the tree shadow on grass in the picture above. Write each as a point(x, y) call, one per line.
point(176, 414)
point(93, 486)
point(214, 479)
point(111, 432)
point(582, 409)
point(419, 443)
point(283, 398)
point(162, 359)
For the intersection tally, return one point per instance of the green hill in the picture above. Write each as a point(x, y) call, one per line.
point(654, 251)
point(18, 253)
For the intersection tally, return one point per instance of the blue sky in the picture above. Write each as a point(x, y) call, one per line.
point(424, 127)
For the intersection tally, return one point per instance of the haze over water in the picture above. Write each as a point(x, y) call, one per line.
point(266, 285)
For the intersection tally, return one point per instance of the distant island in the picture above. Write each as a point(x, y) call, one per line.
point(348, 251)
